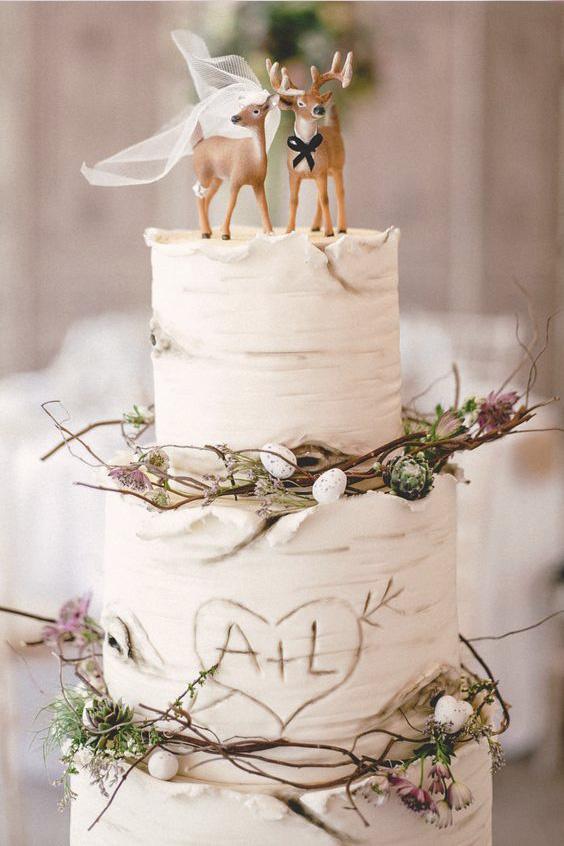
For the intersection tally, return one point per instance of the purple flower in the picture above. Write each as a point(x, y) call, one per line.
point(496, 409)
point(415, 798)
point(438, 773)
point(71, 622)
point(458, 796)
point(447, 425)
point(132, 478)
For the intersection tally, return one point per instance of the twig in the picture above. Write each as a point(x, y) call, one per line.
point(120, 785)
point(76, 435)
point(517, 631)
point(480, 660)
point(456, 374)
point(5, 610)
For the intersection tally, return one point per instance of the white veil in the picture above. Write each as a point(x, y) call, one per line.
point(222, 84)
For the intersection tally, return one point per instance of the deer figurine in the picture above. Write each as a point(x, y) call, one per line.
point(243, 161)
point(314, 153)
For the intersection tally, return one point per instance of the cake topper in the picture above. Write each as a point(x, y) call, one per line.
point(241, 160)
point(220, 130)
point(314, 154)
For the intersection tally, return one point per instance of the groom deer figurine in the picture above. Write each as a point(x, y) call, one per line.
point(314, 154)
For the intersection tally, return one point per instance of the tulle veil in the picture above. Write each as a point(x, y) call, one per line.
point(222, 85)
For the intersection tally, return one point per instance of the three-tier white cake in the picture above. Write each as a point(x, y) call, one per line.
point(334, 619)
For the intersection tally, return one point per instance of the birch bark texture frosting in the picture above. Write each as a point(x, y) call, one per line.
point(320, 626)
point(208, 815)
point(276, 338)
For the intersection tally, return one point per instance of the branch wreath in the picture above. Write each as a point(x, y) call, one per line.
point(109, 740)
point(283, 482)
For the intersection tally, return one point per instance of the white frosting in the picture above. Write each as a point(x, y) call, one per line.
point(292, 616)
point(183, 813)
point(276, 338)
point(326, 622)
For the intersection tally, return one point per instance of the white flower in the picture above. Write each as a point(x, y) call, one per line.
point(459, 796)
point(82, 757)
point(444, 814)
point(381, 790)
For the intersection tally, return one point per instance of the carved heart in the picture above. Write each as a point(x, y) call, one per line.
point(283, 665)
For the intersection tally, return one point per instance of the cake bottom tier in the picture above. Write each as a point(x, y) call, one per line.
point(188, 813)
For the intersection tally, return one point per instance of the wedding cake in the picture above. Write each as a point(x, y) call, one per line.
point(281, 654)
point(332, 627)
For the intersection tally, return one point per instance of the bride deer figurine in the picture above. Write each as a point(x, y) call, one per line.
point(314, 153)
point(228, 132)
point(243, 161)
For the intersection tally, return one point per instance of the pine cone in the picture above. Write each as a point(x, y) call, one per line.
point(103, 718)
point(409, 476)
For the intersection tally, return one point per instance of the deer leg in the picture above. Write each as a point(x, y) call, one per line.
point(211, 192)
point(294, 195)
point(323, 195)
point(205, 228)
point(204, 205)
point(225, 229)
point(340, 191)
point(260, 195)
point(316, 225)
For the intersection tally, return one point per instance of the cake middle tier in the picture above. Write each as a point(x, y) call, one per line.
point(320, 625)
point(275, 338)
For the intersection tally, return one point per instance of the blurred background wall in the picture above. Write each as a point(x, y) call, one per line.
point(454, 131)
point(459, 133)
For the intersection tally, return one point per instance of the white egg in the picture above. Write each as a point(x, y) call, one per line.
point(275, 464)
point(330, 486)
point(163, 765)
point(452, 713)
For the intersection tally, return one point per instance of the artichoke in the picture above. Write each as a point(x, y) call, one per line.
point(409, 476)
point(103, 719)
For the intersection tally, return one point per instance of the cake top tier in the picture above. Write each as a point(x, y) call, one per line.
point(185, 240)
point(276, 338)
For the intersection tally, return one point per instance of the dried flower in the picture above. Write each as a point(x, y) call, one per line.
point(159, 497)
point(496, 409)
point(156, 459)
point(83, 757)
point(213, 483)
point(132, 478)
point(438, 773)
point(458, 796)
point(431, 816)
point(380, 786)
point(72, 622)
point(444, 814)
point(497, 756)
point(487, 707)
point(140, 416)
point(448, 425)
point(413, 797)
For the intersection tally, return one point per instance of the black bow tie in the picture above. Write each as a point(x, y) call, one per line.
point(304, 149)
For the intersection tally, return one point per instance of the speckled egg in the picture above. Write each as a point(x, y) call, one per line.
point(452, 713)
point(275, 464)
point(162, 765)
point(330, 486)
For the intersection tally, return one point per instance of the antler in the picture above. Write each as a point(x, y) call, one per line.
point(339, 71)
point(280, 79)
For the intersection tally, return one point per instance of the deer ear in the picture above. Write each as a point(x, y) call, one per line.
point(273, 101)
point(326, 97)
point(285, 102)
